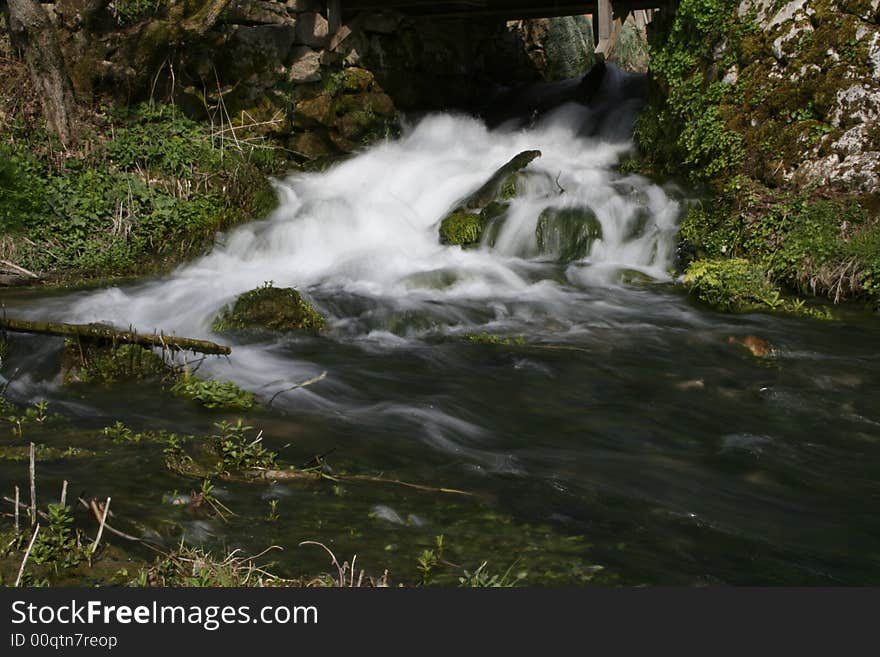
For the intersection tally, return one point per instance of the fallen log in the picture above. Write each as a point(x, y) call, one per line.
point(21, 271)
point(14, 280)
point(104, 333)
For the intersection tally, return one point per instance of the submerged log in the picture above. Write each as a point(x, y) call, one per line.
point(104, 333)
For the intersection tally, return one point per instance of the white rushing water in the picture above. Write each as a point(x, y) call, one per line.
point(361, 239)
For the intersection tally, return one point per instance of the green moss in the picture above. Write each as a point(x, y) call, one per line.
point(461, 228)
point(683, 130)
point(43, 453)
point(737, 285)
point(120, 433)
point(733, 285)
point(217, 395)
point(272, 308)
point(509, 188)
point(567, 233)
point(488, 338)
point(86, 362)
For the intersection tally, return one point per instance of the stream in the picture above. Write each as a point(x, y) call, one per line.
point(620, 428)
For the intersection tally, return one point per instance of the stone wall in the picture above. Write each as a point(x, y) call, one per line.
point(274, 68)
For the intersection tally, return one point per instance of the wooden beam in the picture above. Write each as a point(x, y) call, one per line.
point(334, 16)
point(603, 20)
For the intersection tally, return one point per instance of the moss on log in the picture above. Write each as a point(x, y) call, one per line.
point(104, 333)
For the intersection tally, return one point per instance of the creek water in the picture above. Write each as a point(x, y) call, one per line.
point(623, 429)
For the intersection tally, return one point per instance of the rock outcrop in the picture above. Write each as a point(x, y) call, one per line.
point(773, 104)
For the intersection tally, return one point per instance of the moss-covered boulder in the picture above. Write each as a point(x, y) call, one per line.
point(270, 308)
point(486, 207)
point(567, 233)
point(461, 228)
point(465, 228)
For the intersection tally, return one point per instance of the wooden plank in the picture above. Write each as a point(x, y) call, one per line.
point(334, 16)
point(604, 21)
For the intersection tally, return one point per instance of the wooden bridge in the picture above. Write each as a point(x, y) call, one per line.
point(608, 15)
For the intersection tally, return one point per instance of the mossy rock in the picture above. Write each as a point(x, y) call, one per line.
point(567, 233)
point(461, 228)
point(509, 188)
point(86, 362)
point(272, 308)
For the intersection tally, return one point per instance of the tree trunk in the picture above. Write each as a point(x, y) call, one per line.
point(32, 31)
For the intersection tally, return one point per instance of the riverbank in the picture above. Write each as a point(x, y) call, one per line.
point(771, 108)
point(143, 190)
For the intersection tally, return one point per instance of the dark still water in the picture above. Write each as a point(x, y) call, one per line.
point(620, 427)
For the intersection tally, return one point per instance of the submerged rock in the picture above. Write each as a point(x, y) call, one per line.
point(272, 308)
point(567, 233)
point(758, 347)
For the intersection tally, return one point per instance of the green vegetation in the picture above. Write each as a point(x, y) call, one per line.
point(220, 395)
point(43, 453)
point(737, 285)
point(153, 188)
point(87, 362)
point(189, 566)
point(726, 110)
point(815, 247)
point(488, 338)
point(129, 12)
point(120, 433)
point(57, 543)
point(683, 131)
point(238, 451)
point(270, 308)
point(733, 285)
point(461, 228)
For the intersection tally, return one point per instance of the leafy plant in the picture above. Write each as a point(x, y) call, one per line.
point(214, 394)
point(481, 578)
point(237, 451)
point(57, 543)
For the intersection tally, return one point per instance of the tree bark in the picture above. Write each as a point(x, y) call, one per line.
point(32, 31)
